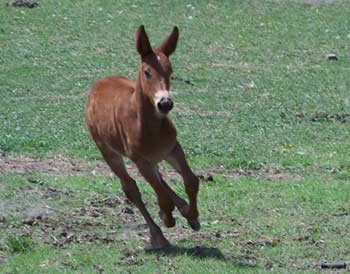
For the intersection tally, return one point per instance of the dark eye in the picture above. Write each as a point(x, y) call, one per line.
point(148, 73)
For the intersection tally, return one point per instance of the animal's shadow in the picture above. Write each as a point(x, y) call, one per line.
point(202, 252)
point(197, 252)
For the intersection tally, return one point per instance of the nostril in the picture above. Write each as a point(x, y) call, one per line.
point(170, 103)
point(159, 105)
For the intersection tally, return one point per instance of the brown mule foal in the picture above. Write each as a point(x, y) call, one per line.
point(129, 118)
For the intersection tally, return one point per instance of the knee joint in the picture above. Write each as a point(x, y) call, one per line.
point(192, 182)
point(131, 192)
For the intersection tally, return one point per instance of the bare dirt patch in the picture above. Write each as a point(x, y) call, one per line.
point(269, 172)
point(55, 166)
point(320, 116)
point(324, 116)
point(102, 218)
point(22, 3)
point(65, 166)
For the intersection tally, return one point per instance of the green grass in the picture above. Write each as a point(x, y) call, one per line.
point(292, 225)
point(260, 75)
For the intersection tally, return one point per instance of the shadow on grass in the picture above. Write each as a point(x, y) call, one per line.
point(198, 252)
point(202, 252)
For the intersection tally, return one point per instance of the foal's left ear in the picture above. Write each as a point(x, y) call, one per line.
point(169, 44)
point(142, 43)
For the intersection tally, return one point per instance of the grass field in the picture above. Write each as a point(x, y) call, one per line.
point(266, 114)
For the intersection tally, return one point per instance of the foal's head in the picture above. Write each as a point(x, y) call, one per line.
point(155, 69)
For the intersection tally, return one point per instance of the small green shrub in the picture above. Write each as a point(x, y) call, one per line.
point(18, 244)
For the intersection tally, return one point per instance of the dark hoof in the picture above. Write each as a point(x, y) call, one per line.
point(195, 225)
point(168, 220)
point(159, 243)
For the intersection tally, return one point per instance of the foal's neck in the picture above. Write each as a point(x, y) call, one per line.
point(149, 120)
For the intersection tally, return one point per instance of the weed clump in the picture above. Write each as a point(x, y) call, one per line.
point(17, 244)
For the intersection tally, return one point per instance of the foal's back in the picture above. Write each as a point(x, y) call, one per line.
point(110, 91)
point(106, 110)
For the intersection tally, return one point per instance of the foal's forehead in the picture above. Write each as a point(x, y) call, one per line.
point(158, 61)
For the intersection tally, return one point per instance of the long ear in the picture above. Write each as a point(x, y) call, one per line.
point(142, 43)
point(169, 44)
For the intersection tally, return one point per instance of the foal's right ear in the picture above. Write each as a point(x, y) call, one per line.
point(142, 43)
point(169, 44)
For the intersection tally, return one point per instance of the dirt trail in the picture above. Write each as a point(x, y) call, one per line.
point(60, 166)
point(56, 166)
point(66, 166)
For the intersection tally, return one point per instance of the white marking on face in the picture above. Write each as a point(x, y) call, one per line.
point(160, 94)
point(158, 58)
